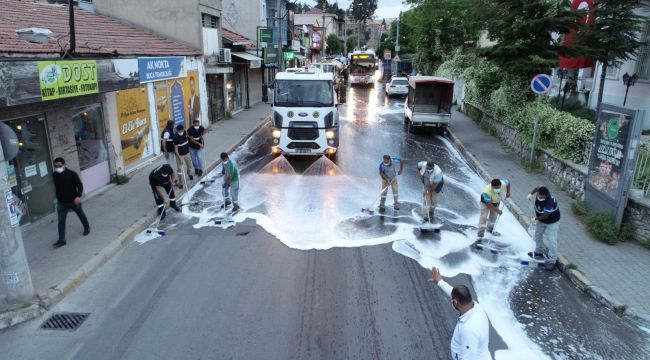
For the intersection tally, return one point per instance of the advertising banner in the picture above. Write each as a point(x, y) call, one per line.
point(316, 40)
point(178, 100)
point(271, 55)
point(134, 123)
point(160, 68)
point(612, 161)
point(68, 78)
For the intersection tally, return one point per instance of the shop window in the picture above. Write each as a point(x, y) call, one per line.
point(89, 135)
point(29, 173)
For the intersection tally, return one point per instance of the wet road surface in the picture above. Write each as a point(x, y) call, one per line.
point(258, 289)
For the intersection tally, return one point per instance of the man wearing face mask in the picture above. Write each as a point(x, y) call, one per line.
point(547, 217)
point(167, 143)
point(433, 181)
point(388, 173)
point(162, 180)
point(490, 201)
point(69, 190)
point(472, 333)
point(182, 149)
point(195, 134)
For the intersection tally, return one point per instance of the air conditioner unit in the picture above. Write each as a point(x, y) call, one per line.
point(225, 56)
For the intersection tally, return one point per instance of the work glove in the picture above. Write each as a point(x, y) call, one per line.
point(529, 197)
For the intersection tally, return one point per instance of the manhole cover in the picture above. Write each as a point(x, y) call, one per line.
point(65, 321)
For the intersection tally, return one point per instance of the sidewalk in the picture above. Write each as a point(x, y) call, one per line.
point(116, 215)
point(615, 275)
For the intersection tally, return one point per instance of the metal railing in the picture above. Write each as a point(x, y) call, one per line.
point(641, 179)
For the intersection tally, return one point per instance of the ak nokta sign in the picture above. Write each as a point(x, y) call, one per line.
point(541, 84)
point(67, 78)
point(613, 158)
point(160, 68)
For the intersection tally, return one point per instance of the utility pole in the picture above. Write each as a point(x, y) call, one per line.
point(324, 39)
point(345, 36)
point(15, 279)
point(279, 22)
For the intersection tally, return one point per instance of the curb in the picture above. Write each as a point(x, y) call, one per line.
point(577, 278)
point(57, 293)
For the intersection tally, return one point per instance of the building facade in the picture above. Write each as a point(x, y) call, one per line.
point(99, 104)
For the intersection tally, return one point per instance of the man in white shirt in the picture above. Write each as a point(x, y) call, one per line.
point(472, 333)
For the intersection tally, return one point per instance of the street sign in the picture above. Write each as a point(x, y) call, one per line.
point(265, 35)
point(541, 84)
point(396, 58)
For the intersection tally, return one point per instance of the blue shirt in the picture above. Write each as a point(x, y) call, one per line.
point(390, 171)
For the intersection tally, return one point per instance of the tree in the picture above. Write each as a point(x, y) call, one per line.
point(613, 35)
point(334, 44)
point(525, 33)
point(439, 27)
point(362, 10)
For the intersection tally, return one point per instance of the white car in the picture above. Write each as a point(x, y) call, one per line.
point(397, 86)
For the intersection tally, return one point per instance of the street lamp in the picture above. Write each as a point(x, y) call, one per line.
point(628, 81)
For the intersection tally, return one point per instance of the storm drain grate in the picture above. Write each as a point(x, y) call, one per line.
point(65, 321)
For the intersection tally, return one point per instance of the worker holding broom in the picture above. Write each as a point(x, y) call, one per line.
point(162, 180)
point(432, 180)
point(388, 173)
point(490, 202)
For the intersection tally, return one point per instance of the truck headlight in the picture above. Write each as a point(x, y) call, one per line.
point(329, 134)
point(277, 133)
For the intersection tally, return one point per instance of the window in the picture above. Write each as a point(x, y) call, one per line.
point(312, 93)
point(89, 135)
point(643, 58)
point(210, 21)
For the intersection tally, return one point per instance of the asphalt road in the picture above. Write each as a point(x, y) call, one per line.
point(241, 293)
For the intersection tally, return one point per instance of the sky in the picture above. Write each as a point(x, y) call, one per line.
point(386, 9)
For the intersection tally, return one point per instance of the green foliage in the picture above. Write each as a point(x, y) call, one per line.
point(439, 28)
point(480, 81)
point(524, 34)
point(532, 166)
point(120, 179)
point(568, 135)
point(457, 63)
point(574, 107)
point(334, 44)
point(580, 209)
point(362, 10)
point(602, 227)
point(620, 310)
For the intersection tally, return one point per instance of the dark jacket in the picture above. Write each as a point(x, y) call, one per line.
point(68, 186)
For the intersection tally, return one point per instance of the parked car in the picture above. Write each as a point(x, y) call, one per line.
point(397, 86)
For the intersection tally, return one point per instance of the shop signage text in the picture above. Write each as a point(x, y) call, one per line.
point(69, 78)
point(160, 68)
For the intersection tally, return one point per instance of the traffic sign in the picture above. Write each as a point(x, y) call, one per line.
point(541, 84)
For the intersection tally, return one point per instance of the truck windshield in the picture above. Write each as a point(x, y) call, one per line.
point(312, 93)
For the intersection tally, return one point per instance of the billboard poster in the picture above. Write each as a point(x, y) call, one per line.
point(613, 157)
point(178, 100)
point(134, 124)
point(315, 39)
point(67, 78)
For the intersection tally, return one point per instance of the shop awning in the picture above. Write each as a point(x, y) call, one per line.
point(299, 57)
point(246, 56)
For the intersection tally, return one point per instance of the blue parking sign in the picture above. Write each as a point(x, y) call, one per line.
point(541, 84)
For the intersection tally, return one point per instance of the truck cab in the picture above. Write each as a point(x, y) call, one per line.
point(305, 118)
point(428, 103)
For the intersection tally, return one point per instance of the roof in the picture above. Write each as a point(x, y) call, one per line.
point(236, 38)
point(314, 11)
point(428, 79)
point(95, 34)
point(304, 75)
